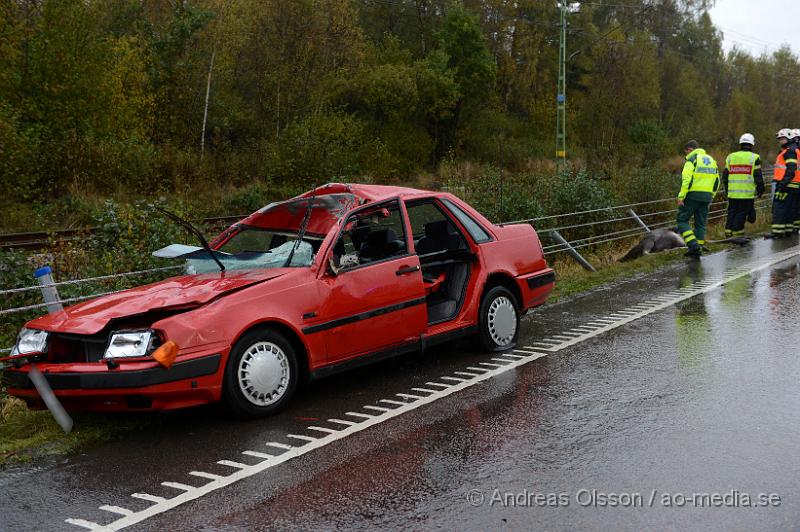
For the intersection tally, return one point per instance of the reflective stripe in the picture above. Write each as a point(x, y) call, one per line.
point(689, 239)
point(782, 166)
point(705, 170)
point(687, 233)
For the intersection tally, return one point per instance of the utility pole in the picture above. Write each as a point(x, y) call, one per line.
point(561, 97)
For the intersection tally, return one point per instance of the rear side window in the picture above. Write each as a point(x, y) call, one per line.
point(478, 233)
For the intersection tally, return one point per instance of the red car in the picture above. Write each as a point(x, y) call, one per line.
point(337, 277)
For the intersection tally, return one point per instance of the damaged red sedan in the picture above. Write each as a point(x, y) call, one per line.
point(337, 277)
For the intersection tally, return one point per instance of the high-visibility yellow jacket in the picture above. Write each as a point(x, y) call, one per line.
point(699, 175)
point(741, 168)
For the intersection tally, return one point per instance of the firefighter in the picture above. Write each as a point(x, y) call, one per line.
point(742, 180)
point(699, 184)
point(787, 185)
point(796, 213)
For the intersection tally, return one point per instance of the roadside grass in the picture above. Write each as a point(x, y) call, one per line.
point(27, 435)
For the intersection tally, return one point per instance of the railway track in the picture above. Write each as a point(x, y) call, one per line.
point(44, 239)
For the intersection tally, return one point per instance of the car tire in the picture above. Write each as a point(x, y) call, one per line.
point(498, 320)
point(261, 374)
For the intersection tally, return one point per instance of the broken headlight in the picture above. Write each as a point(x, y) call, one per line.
point(126, 344)
point(30, 341)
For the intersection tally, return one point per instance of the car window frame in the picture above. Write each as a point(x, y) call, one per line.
point(343, 223)
point(450, 204)
point(449, 216)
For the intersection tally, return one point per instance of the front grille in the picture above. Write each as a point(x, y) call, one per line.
point(76, 348)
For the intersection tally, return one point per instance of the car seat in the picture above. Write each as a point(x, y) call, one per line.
point(380, 245)
point(437, 238)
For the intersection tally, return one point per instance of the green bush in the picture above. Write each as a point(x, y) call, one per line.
point(647, 184)
point(500, 197)
point(315, 148)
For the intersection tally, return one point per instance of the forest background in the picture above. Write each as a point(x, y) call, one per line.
point(222, 106)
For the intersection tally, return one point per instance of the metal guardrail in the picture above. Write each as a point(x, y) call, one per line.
point(91, 279)
point(570, 246)
point(41, 239)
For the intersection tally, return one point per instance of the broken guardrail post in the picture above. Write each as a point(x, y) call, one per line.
point(44, 276)
point(639, 220)
point(575, 255)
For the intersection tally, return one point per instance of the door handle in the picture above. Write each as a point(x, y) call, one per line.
point(407, 269)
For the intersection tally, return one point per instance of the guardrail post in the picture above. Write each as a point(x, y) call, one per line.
point(575, 255)
point(44, 276)
point(639, 220)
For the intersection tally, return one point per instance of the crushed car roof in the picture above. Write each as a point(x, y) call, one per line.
point(330, 203)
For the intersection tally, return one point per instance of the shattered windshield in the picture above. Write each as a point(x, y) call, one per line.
point(252, 247)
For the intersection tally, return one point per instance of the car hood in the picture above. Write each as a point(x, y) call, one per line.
point(176, 293)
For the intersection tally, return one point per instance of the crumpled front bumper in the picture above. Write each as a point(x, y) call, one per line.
point(138, 386)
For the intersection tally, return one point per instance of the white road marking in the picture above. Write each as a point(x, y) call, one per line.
point(359, 414)
point(148, 497)
point(84, 524)
point(280, 445)
point(424, 390)
point(236, 465)
point(378, 408)
point(341, 422)
point(178, 486)
point(321, 429)
point(203, 474)
point(525, 355)
point(265, 456)
point(116, 510)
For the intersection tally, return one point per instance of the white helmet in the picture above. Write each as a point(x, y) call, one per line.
point(785, 132)
point(747, 138)
point(795, 133)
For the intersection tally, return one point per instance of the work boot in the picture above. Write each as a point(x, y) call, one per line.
point(694, 253)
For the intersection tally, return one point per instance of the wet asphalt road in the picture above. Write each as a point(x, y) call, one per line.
point(701, 397)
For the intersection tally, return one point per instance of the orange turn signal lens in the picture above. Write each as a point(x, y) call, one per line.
point(165, 355)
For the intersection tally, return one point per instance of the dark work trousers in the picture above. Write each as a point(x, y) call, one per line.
point(784, 206)
point(738, 211)
point(698, 210)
